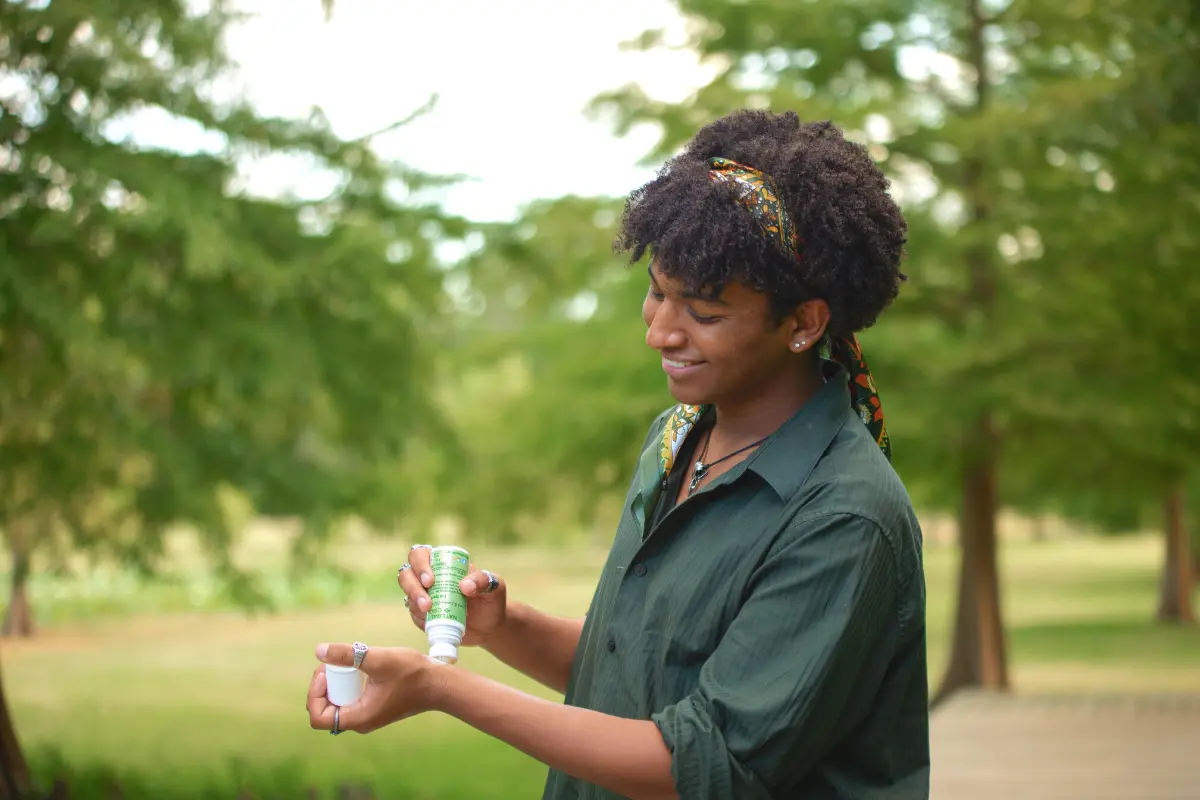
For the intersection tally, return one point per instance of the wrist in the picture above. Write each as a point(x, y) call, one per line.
point(515, 615)
point(433, 683)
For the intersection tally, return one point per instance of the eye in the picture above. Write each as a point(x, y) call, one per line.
point(655, 293)
point(703, 320)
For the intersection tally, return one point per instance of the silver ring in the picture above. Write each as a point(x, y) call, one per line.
point(360, 652)
point(406, 601)
point(420, 547)
point(493, 582)
point(336, 713)
point(406, 566)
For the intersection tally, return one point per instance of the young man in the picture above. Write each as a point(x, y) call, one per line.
point(759, 628)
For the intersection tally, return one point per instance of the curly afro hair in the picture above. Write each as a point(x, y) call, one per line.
point(852, 231)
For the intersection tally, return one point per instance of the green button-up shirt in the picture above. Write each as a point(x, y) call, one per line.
point(772, 625)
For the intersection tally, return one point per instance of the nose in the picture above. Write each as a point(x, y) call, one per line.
point(662, 328)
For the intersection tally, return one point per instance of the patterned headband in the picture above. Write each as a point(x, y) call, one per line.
point(756, 191)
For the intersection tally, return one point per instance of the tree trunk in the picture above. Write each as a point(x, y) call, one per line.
point(18, 620)
point(978, 652)
point(1175, 595)
point(14, 772)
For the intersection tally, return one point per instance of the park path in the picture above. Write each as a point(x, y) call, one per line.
point(997, 747)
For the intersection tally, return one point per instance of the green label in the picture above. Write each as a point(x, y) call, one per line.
point(449, 568)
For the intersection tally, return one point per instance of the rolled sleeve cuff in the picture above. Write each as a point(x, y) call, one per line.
point(701, 764)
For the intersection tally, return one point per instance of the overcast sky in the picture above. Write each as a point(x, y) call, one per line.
point(513, 78)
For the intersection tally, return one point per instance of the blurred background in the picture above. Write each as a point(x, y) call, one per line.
point(287, 286)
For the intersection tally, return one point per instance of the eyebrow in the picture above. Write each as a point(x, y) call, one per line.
point(687, 293)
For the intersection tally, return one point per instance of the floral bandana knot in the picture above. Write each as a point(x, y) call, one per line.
point(756, 191)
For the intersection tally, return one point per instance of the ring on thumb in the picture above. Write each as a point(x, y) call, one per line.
point(338, 655)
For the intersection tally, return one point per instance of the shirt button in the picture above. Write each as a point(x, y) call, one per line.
point(612, 644)
point(639, 569)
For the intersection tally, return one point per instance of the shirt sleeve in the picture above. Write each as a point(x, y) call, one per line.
point(797, 667)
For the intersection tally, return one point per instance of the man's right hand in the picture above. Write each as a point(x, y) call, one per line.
point(486, 610)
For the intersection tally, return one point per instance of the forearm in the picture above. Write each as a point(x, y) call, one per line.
point(625, 756)
point(537, 644)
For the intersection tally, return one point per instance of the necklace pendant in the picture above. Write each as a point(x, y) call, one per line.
point(697, 475)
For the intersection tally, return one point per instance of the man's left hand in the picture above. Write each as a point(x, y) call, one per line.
point(399, 685)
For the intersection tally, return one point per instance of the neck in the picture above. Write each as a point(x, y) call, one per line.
point(747, 420)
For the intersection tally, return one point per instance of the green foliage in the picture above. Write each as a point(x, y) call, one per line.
point(173, 348)
point(249, 778)
point(1124, 251)
point(547, 378)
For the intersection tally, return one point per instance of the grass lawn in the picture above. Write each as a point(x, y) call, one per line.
point(183, 700)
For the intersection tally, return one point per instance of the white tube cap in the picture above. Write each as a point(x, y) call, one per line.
point(446, 652)
point(343, 685)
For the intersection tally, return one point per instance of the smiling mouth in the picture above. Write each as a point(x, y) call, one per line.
point(670, 362)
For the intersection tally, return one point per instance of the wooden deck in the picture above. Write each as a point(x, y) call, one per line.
point(996, 747)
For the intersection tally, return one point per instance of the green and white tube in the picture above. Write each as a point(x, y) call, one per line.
point(446, 621)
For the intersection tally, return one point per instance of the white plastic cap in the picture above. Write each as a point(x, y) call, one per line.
point(446, 652)
point(343, 685)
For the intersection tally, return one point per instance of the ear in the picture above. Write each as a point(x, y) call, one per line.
point(806, 325)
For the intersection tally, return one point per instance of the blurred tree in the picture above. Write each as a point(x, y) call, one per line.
point(1164, 96)
point(1118, 211)
point(545, 385)
point(165, 335)
point(1137, 168)
point(172, 346)
point(14, 772)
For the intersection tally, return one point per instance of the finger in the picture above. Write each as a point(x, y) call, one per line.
point(417, 609)
point(320, 710)
point(409, 583)
point(322, 719)
point(340, 655)
point(477, 582)
point(353, 718)
point(316, 686)
point(419, 558)
point(417, 616)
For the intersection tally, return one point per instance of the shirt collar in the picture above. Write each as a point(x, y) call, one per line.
point(785, 460)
